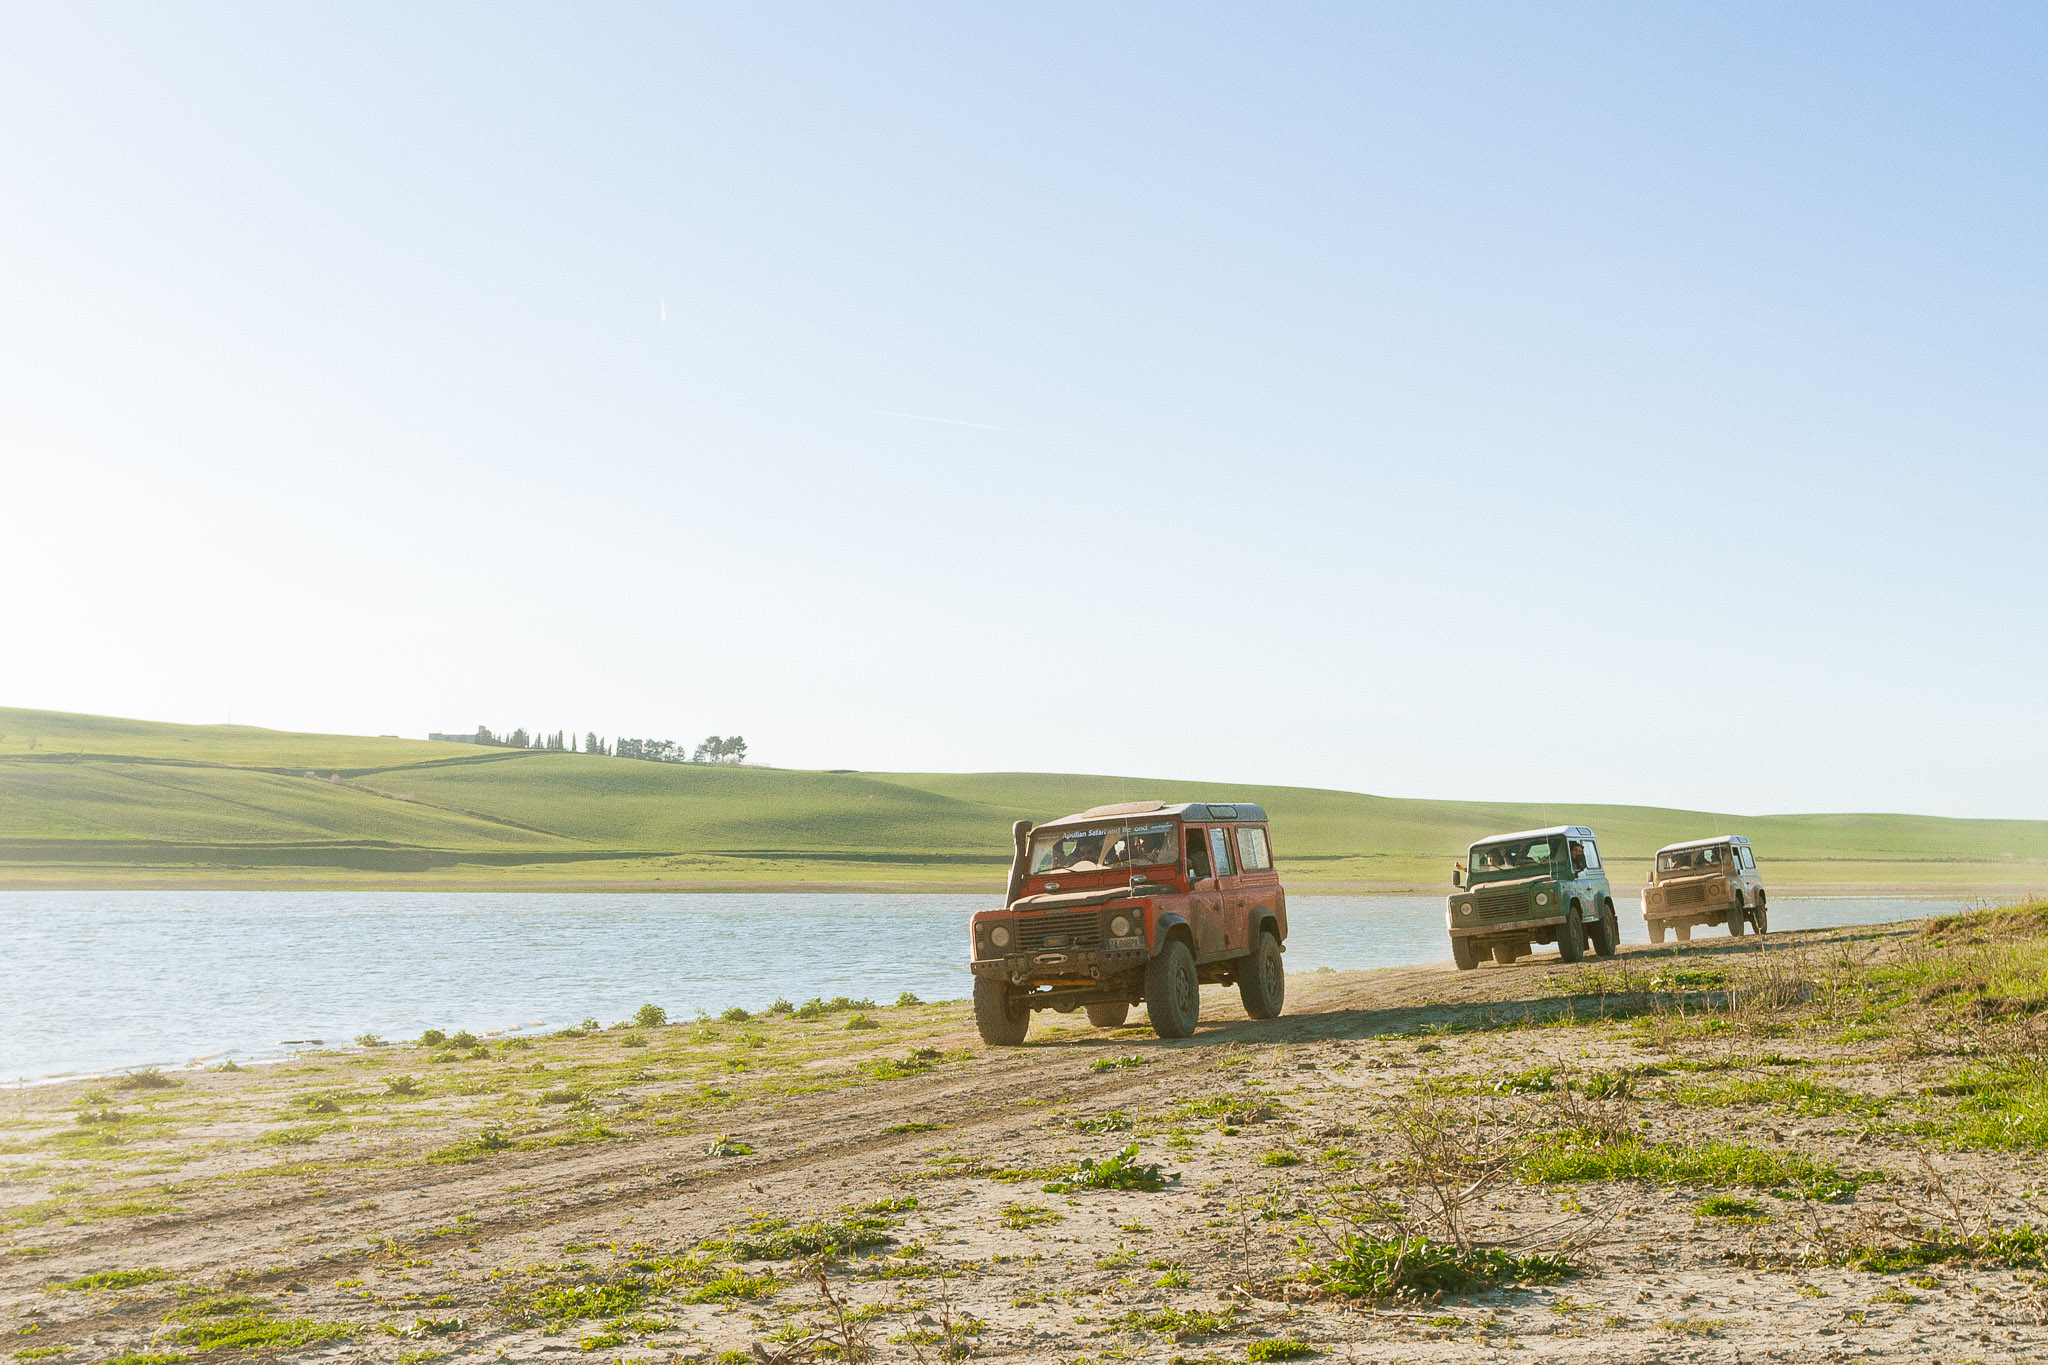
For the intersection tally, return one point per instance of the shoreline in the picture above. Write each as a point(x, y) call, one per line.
point(1766, 1145)
point(1297, 885)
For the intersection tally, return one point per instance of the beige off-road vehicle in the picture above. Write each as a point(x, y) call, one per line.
point(1705, 881)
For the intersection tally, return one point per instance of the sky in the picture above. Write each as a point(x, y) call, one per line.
point(1571, 403)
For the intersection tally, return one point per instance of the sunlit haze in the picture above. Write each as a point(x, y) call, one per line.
point(1618, 403)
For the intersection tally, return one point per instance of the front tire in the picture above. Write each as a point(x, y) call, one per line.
point(1462, 954)
point(1262, 980)
point(1571, 938)
point(1000, 1022)
point(1173, 993)
point(1109, 1016)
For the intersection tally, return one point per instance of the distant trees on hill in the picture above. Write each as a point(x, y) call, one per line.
point(714, 749)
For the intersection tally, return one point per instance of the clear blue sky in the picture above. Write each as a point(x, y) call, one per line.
point(1604, 403)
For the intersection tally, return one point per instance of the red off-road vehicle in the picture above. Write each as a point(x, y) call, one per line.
point(1137, 902)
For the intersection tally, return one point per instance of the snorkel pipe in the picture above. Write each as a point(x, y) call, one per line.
point(1020, 834)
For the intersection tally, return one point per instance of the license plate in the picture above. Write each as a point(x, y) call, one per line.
point(1125, 945)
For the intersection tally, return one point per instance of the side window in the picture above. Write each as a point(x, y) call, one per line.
point(1251, 849)
point(1748, 859)
point(1585, 855)
point(1219, 849)
point(1198, 854)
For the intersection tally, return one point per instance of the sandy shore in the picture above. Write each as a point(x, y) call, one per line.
point(1727, 1150)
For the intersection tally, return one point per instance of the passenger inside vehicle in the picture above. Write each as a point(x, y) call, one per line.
point(1198, 855)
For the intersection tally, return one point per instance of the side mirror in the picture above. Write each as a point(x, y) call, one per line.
point(1457, 879)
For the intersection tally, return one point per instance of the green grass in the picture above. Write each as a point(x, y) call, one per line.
point(1415, 1268)
point(121, 802)
point(243, 1322)
point(2001, 1106)
point(1726, 1164)
point(1120, 1171)
point(116, 1279)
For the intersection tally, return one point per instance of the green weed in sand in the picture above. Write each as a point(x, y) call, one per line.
point(117, 1279)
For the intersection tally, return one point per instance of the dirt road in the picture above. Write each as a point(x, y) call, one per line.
point(659, 1193)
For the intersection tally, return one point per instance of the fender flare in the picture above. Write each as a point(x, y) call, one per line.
point(1262, 919)
point(1163, 925)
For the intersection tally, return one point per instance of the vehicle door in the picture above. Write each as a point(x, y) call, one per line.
point(1205, 891)
point(1212, 934)
point(1257, 882)
point(1592, 884)
point(1752, 881)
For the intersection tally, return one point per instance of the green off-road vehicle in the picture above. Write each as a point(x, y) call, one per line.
point(1539, 886)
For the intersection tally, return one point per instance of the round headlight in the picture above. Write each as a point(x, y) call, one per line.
point(1543, 898)
point(1000, 936)
point(1119, 926)
point(1466, 908)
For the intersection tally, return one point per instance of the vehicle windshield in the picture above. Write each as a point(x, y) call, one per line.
point(1095, 847)
point(1516, 857)
point(1684, 861)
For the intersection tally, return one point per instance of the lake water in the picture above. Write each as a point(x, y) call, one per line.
point(95, 981)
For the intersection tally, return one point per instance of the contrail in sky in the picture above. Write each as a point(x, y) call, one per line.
point(920, 417)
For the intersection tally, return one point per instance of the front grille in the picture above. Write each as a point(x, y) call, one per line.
point(1511, 905)
point(1686, 895)
point(1053, 932)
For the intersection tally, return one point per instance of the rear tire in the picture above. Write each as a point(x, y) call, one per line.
point(1504, 954)
point(1656, 931)
point(1738, 919)
point(1173, 993)
point(1763, 918)
point(1109, 1016)
point(1684, 932)
point(1571, 938)
point(1262, 979)
point(1605, 933)
point(1000, 1023)
point(1462, 954)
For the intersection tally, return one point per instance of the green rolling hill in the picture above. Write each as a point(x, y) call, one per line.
point(86, 801)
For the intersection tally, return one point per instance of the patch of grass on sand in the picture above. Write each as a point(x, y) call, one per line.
point(1578, 1159)
point(243, 1322)
point(117, 1279)
point(1416, 1268)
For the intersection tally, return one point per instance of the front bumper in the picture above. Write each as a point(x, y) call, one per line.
point(1065, 964)
point(1490, 928)
point(1714, 907)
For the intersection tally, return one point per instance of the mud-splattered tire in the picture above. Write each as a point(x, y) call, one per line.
point(1504, 954)
point(1738, 919)
point(1571, 937)
point(1606, 932)
point(1684, 932)
point(1000, 1023)
point(1462, 954)
point(1262, 979)
point(1656, 931)
point(1762, 918)
point(1109, 1016)
point(1173, 993)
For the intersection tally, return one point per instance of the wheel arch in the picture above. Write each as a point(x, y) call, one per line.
point(1169, 926)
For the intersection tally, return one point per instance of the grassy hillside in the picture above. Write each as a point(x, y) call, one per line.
point(86, 800)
